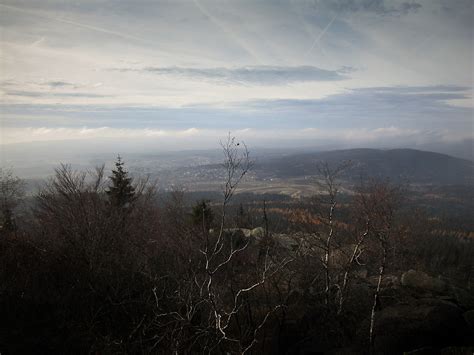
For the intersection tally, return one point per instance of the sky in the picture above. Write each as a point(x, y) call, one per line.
point(181, 74)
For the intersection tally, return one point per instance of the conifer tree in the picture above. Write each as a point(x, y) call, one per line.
point(202, 214)
point(121, 193)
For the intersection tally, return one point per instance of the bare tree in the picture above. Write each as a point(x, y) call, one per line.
point(213, 289)
point(379, 203)
point(320, 241)
point(354, 259)
point(11, 193)
point(108, 258)
point(329, 182)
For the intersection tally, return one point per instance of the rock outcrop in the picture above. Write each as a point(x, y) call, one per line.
point(424, 322)
point(422, 281)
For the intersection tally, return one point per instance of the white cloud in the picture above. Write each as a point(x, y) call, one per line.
point(65, 63)
point(212, 136)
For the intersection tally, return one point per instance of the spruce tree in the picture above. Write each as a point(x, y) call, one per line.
point(121, 193)
point(202, 214)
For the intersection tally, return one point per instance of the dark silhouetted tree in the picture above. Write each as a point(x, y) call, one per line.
point(121, 193)
point(202, 214)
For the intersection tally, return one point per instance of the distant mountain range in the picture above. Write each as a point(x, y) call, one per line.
point(410, 165)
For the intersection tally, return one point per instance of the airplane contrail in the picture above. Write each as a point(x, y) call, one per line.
point(226, 30)
point(37, 42)
point(323, 32)
point(74, 23)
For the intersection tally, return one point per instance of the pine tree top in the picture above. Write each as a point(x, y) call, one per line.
point(121, 192)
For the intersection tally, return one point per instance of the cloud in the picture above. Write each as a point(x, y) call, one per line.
point(415, 89)
point(379, 7)
point(96, 29)
point(47, 84)
point(377, 102)
point(47, 134)
point(396, 116)
point(460, 12)
point(56, 84)
point(25, 93)
point(209, 138)
point(365, 135)
point(228, 31)
point(252, 75)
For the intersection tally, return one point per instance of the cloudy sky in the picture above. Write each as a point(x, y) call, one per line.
point(183, 73)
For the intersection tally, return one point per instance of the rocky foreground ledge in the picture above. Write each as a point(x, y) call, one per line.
point(418, 314)
point(426, 315)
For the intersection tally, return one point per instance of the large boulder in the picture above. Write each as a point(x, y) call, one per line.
point(424, 323)
point(464, 298)
point(247, 232)
point(422, 281)
point(257, 233)
point(237, 236)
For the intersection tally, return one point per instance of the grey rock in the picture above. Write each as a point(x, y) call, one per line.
point(420, 280)
point(247, 232)
point(257, 233)
point(425, 323)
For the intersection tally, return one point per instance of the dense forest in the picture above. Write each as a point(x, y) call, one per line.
point(102, 262)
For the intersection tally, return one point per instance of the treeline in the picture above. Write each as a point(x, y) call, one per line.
point(100, 267)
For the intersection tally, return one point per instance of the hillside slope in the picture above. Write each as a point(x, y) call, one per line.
point(410, 165)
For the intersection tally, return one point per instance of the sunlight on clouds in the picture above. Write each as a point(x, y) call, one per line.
point(211, 136)
point(266, 70)
point(44, 134)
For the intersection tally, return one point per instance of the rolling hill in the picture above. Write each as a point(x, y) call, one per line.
point(413, 166)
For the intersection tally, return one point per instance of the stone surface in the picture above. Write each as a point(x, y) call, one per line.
point(257, 233)
point(238, 237)
point(247, 232)
point(464, 298)
point(422, 281)
point(424, 323)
